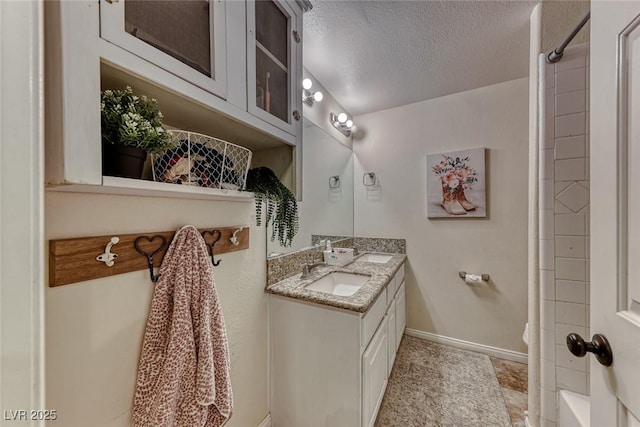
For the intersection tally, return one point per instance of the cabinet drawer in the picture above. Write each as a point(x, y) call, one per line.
point(372, 318)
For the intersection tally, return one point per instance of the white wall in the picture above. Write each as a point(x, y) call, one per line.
point(394, 144)
point(535, 40)
point(21, 211)
point(564, 225)
point(559, 18)
point(95, 328)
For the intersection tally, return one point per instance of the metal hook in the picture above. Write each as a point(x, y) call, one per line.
point(213, 233)
point(150, 256)
point(108, 257)
point(234, 239)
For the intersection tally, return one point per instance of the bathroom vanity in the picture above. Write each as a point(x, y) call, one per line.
point(332, 348)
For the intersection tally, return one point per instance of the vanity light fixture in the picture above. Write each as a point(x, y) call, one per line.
point(307, 96)
point(342, 122)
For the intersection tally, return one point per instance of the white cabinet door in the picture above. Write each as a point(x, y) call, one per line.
point(615, 201)
point(187, 39)
point(274, 63)
point(374, 374)
point(391, 326)
point(401, 313)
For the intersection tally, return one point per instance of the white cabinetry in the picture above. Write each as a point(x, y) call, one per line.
point(187, 39)
point(330, 367)
point(274, 63)
point(201, 86)
point(401, 313)
point(375, 373)
point(394, 341)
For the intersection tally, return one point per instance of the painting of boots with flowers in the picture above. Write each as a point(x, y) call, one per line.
point(456, 184)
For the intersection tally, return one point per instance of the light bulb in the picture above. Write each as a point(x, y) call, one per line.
point(349, 123)
point(306, 84)
point(318, 96)
point(342, 117)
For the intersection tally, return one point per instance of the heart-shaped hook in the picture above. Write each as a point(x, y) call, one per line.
point(163, 243)
point(211, 246)
point(212, 233)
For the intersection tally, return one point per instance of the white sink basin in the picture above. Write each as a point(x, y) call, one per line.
point(379, 259)
point(343, 284)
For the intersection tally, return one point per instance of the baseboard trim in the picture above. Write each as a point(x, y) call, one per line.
point(467, 345)
point(266, 422)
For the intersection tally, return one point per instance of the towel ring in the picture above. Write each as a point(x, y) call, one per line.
point(136, 243)
point(371, 181)
point(213, 233)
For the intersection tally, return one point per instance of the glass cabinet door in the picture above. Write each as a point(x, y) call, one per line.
point(185, 37)
point(273, 54)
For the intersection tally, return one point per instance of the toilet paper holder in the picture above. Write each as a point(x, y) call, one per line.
point(485, 276)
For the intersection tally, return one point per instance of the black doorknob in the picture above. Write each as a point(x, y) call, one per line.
point(599, 346)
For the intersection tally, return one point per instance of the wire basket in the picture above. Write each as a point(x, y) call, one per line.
point(202, 161)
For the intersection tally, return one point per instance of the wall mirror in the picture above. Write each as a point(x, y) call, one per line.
point(326, 208)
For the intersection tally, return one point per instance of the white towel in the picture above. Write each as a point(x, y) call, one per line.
point(184, 370)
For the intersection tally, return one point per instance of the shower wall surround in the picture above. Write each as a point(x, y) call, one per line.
point(564, 225)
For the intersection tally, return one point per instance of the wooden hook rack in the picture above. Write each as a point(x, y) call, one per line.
point(75, 260)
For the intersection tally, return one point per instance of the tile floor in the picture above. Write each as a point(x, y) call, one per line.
point(513, 378)
point(437, 385)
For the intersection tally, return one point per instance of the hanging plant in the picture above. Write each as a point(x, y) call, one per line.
point(280, 202)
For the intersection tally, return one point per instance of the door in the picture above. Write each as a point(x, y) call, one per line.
point(22, 244)
point(274, 62)
point(401, 313)
point(186, 38)
point(374, 374)
point(615, 209)
point(391, 328)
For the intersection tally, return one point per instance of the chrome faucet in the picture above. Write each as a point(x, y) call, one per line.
point(309, 267)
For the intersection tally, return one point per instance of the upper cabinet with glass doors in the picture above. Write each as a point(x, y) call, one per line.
point(274, 63)
point(186, 37)
point(229, 69)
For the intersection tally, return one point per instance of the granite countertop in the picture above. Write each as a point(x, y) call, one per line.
point(294, 286)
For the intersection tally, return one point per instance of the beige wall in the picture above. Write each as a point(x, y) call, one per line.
point(559, 18)
point(395, 145)
point(94, 329)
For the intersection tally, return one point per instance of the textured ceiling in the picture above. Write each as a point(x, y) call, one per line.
point(373, 55)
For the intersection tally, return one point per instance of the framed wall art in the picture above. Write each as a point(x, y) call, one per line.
point(456, 184)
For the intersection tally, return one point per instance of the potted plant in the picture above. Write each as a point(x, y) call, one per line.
point(281, 204)
point(131, 128)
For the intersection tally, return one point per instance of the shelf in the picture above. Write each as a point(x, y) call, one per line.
point(271, 57)
point(142, 188)
point(186, 106)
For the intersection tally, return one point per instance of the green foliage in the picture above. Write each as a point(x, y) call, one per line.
point(133, 120)
point(281, 204)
